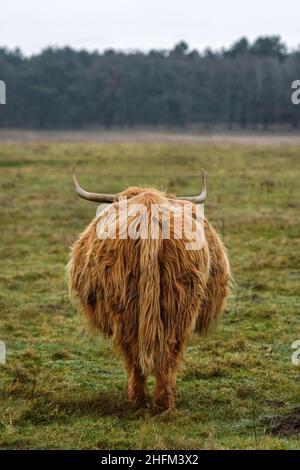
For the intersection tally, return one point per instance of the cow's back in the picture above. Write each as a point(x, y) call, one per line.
point(147, 293)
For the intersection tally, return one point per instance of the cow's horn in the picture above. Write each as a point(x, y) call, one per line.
point(197, 199)
point(96, 197)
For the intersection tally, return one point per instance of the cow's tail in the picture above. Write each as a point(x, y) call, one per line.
point(151, 330)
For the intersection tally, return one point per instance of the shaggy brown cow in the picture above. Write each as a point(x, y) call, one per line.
point(148, 293)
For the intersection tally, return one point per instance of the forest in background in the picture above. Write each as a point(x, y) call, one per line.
point(247, 85)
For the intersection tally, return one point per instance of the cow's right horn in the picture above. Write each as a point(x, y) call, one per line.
point(196, 199)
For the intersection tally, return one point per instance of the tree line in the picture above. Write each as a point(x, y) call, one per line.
point(247, 84)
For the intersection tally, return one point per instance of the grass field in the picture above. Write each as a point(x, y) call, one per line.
point(237, 389)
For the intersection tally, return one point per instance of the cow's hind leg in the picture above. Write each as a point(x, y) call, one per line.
point(136, 385)
point(163, 396)
point(136, 381)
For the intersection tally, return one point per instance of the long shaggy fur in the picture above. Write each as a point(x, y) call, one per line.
point(149, 294)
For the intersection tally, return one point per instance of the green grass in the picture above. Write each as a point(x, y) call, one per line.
point(61, 388)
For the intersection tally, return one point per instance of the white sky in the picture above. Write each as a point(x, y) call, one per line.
point(144, 24)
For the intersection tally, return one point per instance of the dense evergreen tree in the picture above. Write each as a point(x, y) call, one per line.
point(247, 85)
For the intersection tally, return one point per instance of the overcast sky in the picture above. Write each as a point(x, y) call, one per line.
point(144, 24)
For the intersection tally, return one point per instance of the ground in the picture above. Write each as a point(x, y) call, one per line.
point(238, 388)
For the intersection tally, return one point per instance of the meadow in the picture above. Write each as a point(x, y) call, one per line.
point(62, 388)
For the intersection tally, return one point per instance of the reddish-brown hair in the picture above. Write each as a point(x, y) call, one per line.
point(149, 294)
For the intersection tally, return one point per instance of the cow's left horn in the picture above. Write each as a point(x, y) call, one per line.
point(96, 197)
point(197, 199)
